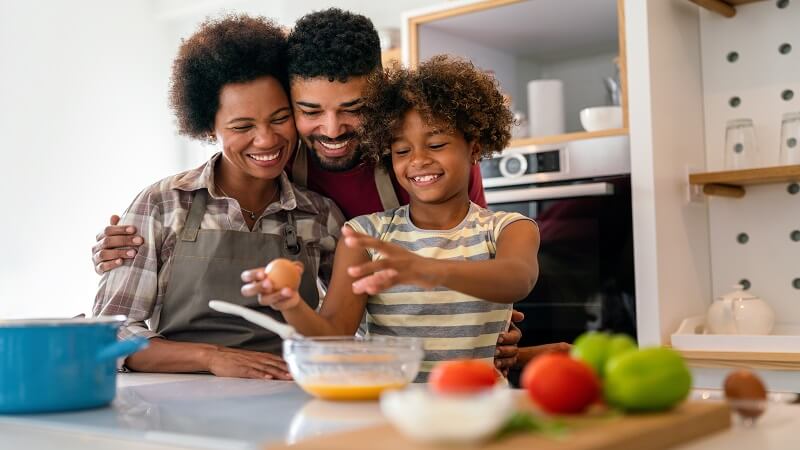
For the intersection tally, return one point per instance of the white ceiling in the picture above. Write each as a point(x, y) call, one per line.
point(541, 29)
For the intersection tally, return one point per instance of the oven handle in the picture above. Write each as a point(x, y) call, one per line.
point(549, 192)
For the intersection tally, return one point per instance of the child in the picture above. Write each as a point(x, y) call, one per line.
point(441, 267)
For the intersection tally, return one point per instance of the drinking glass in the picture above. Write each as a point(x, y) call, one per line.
point(741, 151)
point(790, 138)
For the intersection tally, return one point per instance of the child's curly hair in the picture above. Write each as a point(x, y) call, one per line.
point(447, 92)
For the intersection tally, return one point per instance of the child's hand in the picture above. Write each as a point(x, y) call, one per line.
point(257, 283)
point(397, 266)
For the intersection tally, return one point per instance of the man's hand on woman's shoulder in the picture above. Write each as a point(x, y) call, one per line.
point(115, 244)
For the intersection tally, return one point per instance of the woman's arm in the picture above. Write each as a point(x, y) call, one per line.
point(341, 311)
point(183, 357)
point(526, 354)
point(132, 289)
point(507, 278)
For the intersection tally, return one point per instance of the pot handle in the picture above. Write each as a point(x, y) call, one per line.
point(121, 348)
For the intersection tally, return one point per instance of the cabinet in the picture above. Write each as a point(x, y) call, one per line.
point(578, 42)
point(690, 70)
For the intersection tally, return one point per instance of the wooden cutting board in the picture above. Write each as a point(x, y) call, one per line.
point(656, 431)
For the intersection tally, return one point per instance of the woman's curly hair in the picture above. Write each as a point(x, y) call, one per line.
point(334, 44)
point(232, 49)
point(448, 92)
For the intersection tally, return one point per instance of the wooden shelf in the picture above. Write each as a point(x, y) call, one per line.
point(738, 360)
point(731, 183)
point(725, 8)
point(546, 140)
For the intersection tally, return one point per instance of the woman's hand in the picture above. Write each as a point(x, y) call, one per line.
point(397, 266)
point(229, 362)
point(257, 282)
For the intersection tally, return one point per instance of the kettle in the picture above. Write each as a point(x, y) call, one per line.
point(739, 312)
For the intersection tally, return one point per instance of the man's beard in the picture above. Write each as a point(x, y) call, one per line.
point(340, 164)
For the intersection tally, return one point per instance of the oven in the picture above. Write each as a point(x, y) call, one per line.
point(579, 193)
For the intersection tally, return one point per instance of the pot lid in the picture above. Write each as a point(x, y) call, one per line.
point(9, 323)
point(738, 294)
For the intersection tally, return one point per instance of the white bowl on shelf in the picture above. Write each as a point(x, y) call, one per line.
point(599, 118)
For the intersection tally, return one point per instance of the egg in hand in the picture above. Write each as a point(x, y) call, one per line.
point(283, 273)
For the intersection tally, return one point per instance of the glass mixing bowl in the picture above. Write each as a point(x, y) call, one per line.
point(353, 368)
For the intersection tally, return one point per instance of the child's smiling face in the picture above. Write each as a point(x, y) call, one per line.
point(432, 165)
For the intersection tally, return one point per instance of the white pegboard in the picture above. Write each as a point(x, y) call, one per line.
point(768, 214)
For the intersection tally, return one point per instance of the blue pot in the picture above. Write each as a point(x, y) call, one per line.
point(60, 365)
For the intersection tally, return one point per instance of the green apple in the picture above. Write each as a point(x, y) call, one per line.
point(592, 348)
point(619, 344)
point(595, 348)
point(652, 379)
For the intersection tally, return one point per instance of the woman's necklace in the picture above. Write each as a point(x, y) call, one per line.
point(251, 213)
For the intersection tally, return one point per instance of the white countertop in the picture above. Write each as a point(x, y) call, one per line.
point(161, 412)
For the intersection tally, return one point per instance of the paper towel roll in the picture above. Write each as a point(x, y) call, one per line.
point(545, 107)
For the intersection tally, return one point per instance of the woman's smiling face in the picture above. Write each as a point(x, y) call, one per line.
point(255, 127)
point(431, 164)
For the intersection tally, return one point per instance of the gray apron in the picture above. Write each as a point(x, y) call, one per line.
point(207, 265)
point(382, 179)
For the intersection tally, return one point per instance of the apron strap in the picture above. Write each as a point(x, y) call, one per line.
point(290, 233)
point(385, 188)
point(195, 217)
point(300, 166)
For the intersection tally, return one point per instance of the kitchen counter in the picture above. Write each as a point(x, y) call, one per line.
point(165, 412)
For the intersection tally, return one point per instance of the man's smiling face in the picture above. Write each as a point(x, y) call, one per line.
point(327, 118)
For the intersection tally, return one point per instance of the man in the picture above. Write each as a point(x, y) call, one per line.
point(332, 53)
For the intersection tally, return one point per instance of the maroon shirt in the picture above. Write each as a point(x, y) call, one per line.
point(355, 193)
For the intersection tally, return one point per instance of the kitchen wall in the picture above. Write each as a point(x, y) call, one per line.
point(85, 126)
point(503, 64)
point(582, 77)
point(583, 83)
point(745, 248)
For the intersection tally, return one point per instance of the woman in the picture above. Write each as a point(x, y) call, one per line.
point(202, 227)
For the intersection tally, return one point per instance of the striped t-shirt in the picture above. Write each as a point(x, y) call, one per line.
point(454, 325)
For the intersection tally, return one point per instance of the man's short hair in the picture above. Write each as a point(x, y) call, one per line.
point(334, 44)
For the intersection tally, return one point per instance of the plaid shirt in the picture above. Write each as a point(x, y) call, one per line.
point(137, 288)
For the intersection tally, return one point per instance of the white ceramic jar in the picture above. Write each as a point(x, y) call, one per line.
point(739, 312)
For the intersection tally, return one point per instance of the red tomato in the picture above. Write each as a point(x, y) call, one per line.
point(560, 384)
point(462, 377)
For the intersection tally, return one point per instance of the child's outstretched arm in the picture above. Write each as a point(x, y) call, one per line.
point(507, 278)
point(341, 311)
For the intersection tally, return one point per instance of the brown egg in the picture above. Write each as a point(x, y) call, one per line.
point(283, 273)
point(746, 393)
